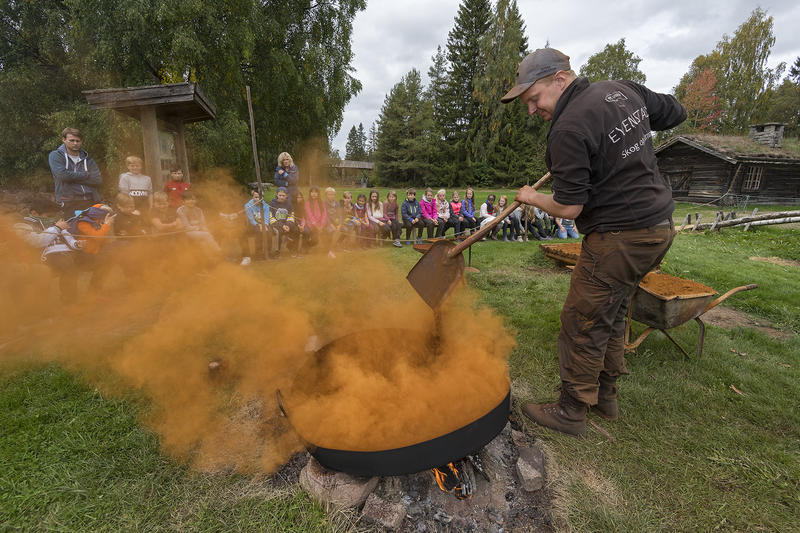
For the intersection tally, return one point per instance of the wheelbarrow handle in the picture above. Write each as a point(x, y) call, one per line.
point(478, 235)
point(731, 292)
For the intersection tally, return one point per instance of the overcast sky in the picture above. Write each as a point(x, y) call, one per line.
point(391, 37)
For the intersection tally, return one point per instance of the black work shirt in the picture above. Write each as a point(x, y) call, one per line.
point(600, 153)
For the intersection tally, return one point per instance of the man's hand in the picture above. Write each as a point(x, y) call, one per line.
point(62, 224)
point(110, 218)
point(527, 195)
point(285, 227)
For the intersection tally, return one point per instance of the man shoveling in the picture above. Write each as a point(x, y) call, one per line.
point(605, 176)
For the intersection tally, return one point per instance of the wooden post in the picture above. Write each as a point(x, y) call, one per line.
point(685, 221)
point(716, 220)
point(180, 149)
point(263, 224)
point(152, 148)
point(697, 217)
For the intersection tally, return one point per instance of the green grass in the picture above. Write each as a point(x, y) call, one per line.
point(690, 454)
point(73, 460)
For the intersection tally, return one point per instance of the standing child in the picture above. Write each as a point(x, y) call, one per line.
point(360, 214)
point(391, 212)
point(411, 213)
point(176, 186)
point(136, 184)
point(428, 206)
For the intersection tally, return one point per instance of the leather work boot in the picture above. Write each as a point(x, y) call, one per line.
point(567, 415)
point(607, 398)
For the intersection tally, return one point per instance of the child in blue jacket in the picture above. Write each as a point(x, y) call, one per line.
point(411, 212)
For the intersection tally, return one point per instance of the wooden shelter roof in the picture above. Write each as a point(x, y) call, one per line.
point(173, 101)
point(347, 163)
point(733, 149)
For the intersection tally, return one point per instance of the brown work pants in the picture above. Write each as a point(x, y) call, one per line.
point(610, 267)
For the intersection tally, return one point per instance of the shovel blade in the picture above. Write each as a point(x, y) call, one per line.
point(436, 273)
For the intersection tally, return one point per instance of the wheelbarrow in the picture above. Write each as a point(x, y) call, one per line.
point(662, 311)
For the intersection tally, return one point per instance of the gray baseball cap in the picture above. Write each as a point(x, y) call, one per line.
point(535, 66)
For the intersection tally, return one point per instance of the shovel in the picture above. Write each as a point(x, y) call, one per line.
point(440, 269)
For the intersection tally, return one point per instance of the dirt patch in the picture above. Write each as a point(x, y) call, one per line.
point(777, 261)
point(727, 318)
point(566, 252)
point(668, 286)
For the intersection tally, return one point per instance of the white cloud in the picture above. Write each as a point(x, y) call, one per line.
point(390, 38)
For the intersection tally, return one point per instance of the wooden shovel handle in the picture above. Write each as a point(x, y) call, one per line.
point(466, 243)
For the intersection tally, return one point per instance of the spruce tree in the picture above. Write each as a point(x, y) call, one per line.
point(404, 148)
point(508, 144)
point(458, 106)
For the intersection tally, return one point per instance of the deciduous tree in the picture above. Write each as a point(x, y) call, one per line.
point(615, 62)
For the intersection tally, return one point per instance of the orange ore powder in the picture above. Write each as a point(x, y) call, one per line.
point(389, 388)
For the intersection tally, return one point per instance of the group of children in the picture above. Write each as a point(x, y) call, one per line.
point(290, 220)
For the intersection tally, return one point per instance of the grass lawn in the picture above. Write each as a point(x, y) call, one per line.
point(689, 453)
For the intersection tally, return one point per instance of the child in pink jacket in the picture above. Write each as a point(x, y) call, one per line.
point(428, 207)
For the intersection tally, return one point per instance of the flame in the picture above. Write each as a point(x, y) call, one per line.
point(449, 479)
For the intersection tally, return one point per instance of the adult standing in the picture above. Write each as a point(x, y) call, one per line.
point(286, 174)
point(600, 154)
point(75, 174)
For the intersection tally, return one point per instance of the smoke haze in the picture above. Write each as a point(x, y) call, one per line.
point(155, 326)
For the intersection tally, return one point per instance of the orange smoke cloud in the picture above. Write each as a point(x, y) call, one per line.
point(155, 326)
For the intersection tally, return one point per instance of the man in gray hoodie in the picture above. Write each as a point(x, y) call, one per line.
point(75, 174)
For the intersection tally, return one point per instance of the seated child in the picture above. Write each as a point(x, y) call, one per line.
point(176, 186)
point(163, 218)
point(443, 212)
point(391, 214)
point(376, 216)
point(457, 214)
point(350, 224)
point(303, 231)
point(129, 219)
point(136, 184)
point(488, 213)
point(364, 229)
point(281, 221)
point(315, 214)
point(470, 221)
point(333, 217)
point(194, 222)
point(428, 206)
point(257, 212)
point(59, 247)
point(566, 229)
point(411, 213)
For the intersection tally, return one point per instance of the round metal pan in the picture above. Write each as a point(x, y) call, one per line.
point(414, 458)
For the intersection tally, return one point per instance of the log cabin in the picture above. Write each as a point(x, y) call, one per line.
point(727, 169)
